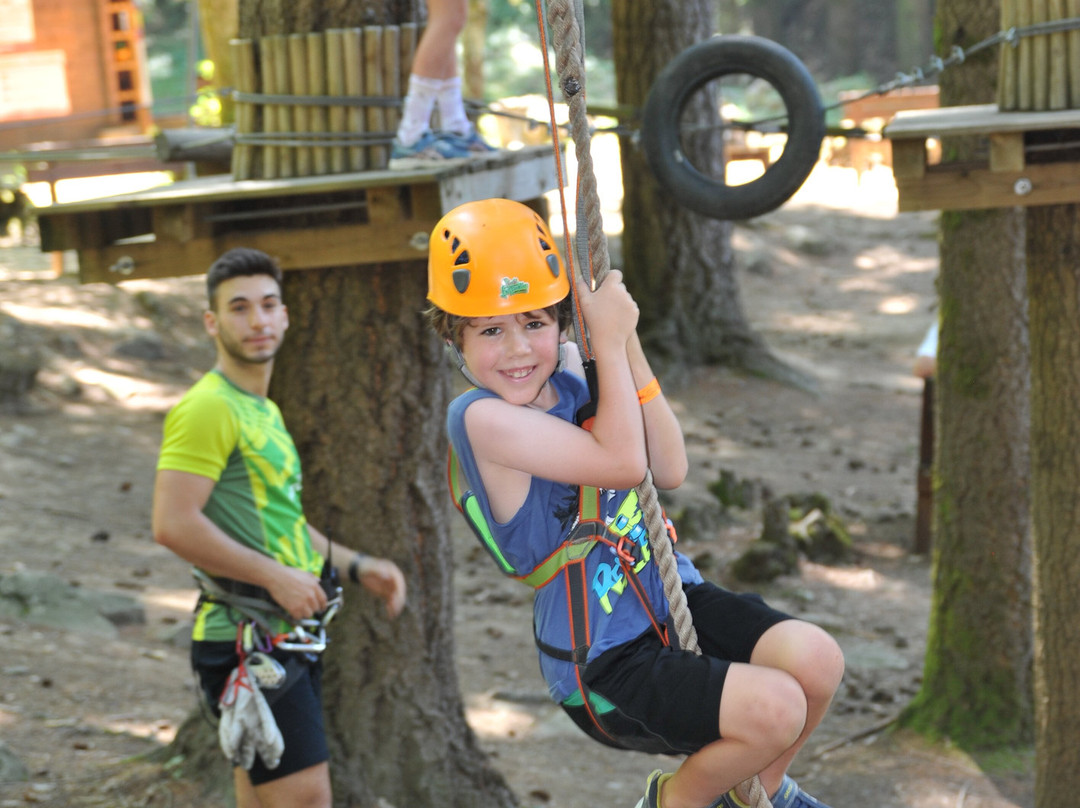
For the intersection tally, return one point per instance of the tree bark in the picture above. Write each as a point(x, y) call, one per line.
point(980, 639)
point(680, 265)
point(1054, 290)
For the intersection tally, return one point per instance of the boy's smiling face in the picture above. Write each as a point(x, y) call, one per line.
point(513, 355)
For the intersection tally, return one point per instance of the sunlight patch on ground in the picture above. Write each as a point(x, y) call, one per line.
point(133, 393)
point(162, 730)
point(858, 580)
point(56, 316)
point(829, 323)
point(498, 720)
point(899, 304)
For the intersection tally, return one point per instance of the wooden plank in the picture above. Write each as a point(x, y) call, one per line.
point(222, 187)
point(321, 247)
point(317, 116)
point(1040, 59)
point(354, 86)
point(177, 224)
point(1007, 151)
point(274, 53)
point(1007, 64)
point(909, 158)
point(1073, 40)
point(391, 71)
point(978, 119)
point(385, 205)
point(298, 84)
point(1025, 58)
point(1058, 91)
point(243, 51)
point(374, 85)
point(979, 189)
point(335, 85)
point(518, 181)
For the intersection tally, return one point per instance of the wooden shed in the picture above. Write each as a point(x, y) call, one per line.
point(71, 70)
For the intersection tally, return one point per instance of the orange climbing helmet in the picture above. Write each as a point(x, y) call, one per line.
point(493, 257)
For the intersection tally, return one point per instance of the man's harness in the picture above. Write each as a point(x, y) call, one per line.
point(261, 612)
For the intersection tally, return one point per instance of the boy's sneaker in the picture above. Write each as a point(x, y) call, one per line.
point(429, 151)
point(652, 790)
point(789, 795)
point(472, 142)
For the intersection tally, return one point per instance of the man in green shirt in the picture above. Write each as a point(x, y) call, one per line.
point(227, 499)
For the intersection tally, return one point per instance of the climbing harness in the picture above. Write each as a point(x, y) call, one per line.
point(246, 725)
point(261, 614)
point(588, 533)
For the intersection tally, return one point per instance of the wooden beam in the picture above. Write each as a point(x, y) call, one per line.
point(909, 159)
point(1007, 151)
point(981, 188)
point(346, 245)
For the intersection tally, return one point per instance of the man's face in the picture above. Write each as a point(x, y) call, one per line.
point(249, 320)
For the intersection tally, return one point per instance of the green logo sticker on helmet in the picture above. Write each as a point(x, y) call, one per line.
point(513, 286)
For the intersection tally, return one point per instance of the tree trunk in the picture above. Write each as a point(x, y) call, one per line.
point(1054, 289)
point(363, 386)
point(680, 265)
point(980, 639)
point(473, 47)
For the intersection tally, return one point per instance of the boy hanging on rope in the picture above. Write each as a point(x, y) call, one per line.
point(554, 504)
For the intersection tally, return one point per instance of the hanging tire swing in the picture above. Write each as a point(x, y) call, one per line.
point(676, 85)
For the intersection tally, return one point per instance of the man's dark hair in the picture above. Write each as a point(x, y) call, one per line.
point(239, 262)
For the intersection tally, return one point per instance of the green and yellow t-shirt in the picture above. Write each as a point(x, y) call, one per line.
point(239, 440)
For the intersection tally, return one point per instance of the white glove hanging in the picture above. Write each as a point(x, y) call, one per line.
point(247, 725)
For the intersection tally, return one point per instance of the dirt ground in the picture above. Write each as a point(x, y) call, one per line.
point(841, 287)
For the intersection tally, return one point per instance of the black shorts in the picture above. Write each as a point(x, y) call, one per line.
point(660, 699)
point(297, 705)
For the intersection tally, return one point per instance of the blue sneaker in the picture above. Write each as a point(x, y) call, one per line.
point(430, 151)
point(472, 142)
point(652, 790)
point(789, 795)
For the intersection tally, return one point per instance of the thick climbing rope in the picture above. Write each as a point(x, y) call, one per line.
point(570, 67)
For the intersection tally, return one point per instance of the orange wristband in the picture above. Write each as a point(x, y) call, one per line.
point(648, 392)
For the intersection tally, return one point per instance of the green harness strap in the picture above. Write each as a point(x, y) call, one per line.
point(571, 553)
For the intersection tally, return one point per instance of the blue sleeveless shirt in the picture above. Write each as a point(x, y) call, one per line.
point(542, 524)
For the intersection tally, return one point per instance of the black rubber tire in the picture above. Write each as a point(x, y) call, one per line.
point(712, 59)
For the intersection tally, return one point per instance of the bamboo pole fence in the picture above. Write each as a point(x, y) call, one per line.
point(1040, 72)
point(319, 103)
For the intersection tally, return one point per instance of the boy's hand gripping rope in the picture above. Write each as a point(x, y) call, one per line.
point(570, 61)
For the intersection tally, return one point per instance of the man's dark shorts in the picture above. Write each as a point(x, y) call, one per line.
point(297, 706)
point(667, 700)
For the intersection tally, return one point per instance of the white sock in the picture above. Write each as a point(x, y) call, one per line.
point(452, 117)
point(417, 108)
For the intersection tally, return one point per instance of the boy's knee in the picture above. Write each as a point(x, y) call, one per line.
point(778, 713)
point(824, 669)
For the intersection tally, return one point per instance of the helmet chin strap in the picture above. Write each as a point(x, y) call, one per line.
point(459, 360)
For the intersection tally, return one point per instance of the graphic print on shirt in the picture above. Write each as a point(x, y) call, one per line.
point(628, 522)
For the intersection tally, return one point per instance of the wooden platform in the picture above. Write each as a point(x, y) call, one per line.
point(1033, 158)
point(306, 222)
